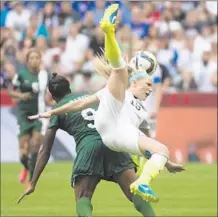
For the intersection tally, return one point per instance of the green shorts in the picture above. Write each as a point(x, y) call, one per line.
point(28, 126)
point(95, 159)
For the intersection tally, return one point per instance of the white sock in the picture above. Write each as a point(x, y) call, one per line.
point(152, 168)
point(159, 159)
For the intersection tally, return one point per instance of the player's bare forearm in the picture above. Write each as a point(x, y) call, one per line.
point(44, 155)
point(74, 106)
point(68, 107)
point(158, 96)
point(42, 160)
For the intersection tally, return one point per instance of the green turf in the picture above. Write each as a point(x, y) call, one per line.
point(191, 193)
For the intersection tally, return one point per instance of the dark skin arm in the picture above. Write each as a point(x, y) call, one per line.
point(42, 160)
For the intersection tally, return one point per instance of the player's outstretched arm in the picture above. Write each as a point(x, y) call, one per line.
point(42, 160)
point(73, 106)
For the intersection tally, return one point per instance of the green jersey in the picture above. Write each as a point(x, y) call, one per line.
point(27, 81)
point(24, 83)
point(78, 124)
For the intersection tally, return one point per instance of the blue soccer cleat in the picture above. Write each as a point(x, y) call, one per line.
point(144, 191)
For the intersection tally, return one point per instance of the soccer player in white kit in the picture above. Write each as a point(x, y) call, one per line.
point(120, 113)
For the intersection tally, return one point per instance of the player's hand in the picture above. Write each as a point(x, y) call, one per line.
point(174, 168)
point(42, 115)
point(25, 96)
point(30, 189)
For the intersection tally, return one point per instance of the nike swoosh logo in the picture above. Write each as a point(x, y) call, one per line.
point(146, 188)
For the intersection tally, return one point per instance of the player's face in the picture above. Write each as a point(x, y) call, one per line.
point(143, 88)
point(34, 60)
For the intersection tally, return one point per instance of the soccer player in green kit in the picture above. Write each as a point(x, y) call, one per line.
point(26, 91)
point(94, 160)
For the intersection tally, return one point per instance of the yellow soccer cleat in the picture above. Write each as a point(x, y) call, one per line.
point(144, 191)
point(108, 22)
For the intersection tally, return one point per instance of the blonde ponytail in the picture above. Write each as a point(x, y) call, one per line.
point(104, 69)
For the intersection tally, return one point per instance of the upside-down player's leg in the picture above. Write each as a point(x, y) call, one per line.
point(111, 97)
point(125, 179)
point(157, 155)
point(118, 80)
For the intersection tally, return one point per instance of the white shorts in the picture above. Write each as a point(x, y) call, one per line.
point(117, 134)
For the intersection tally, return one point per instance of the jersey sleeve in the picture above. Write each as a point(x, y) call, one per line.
point(54, 122)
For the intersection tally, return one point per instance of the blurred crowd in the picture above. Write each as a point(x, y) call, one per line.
point(182, 35)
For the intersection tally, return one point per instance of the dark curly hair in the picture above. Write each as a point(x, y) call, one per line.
point(58, 86)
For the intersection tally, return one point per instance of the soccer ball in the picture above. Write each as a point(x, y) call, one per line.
point(145, 61)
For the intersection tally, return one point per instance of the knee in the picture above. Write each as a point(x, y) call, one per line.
point(35, 144)
point(23, 142)
point(165, 151)
point(35, 147)
point(23, 147)
point(87, 193)
point(162, 150)
point(36, 141)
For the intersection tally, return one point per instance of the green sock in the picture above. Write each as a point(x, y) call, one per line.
point(84, 207)
point(142, 206)
point(31, 163)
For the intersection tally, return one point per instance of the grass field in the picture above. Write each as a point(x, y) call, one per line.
point(191, 193)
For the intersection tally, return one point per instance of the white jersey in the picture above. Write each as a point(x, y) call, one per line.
point(133, 110)
point(118, 122)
